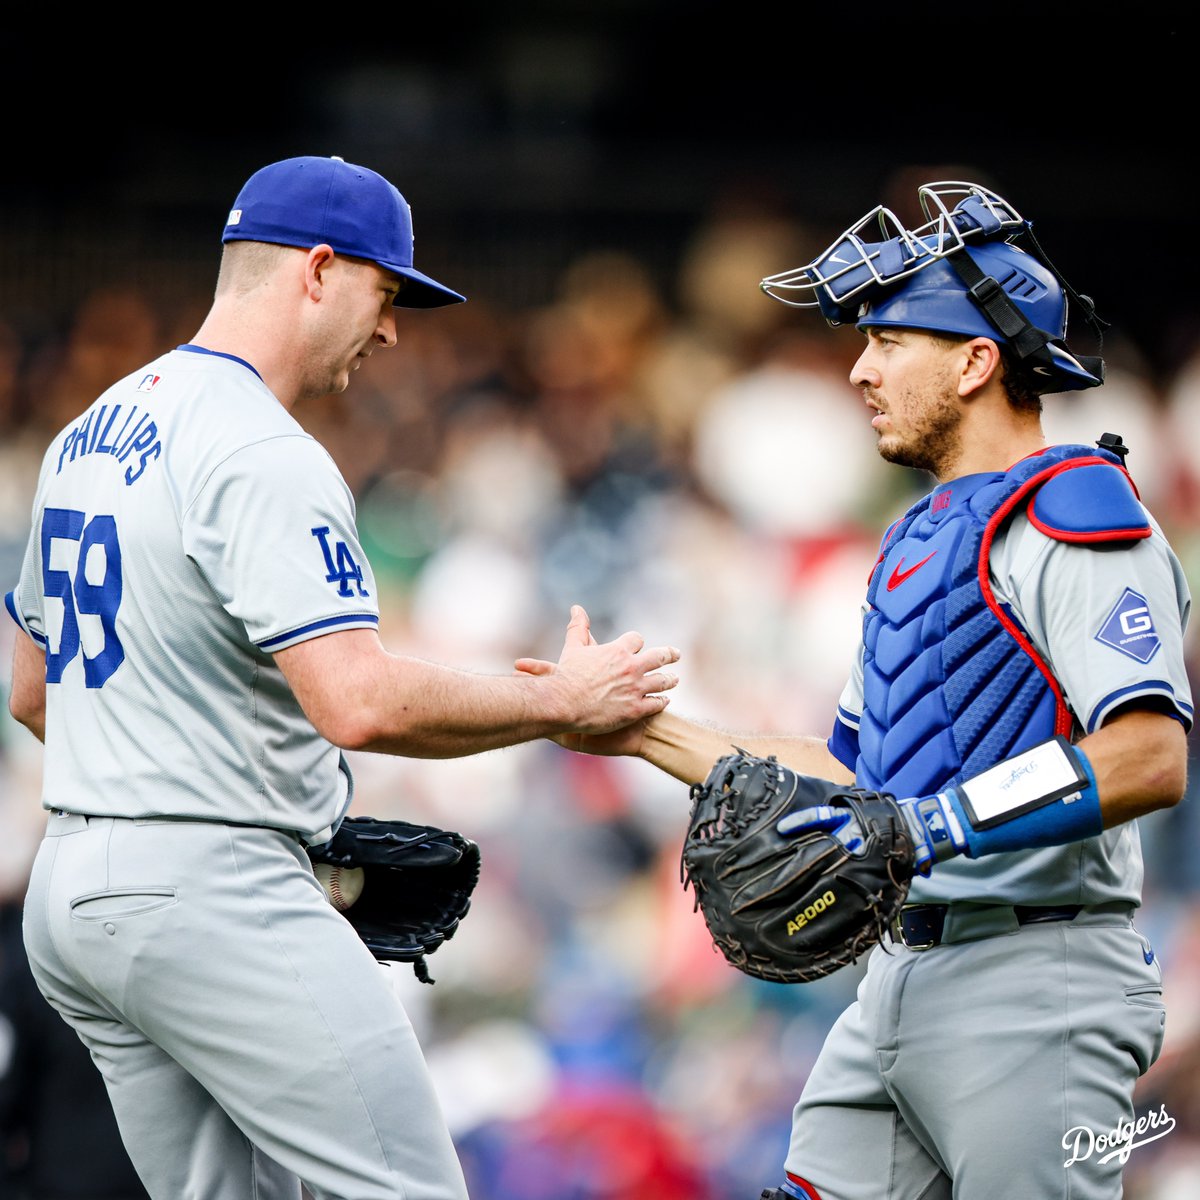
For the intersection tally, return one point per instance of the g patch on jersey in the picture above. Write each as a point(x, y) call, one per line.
point(1129, 628)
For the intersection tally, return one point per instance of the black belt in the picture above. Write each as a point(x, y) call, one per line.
point(920, 926)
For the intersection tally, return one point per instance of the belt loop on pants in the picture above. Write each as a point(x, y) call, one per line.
point(59, 822)
point(923, 926)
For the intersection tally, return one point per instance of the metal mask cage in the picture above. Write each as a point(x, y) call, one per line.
point(954, 213)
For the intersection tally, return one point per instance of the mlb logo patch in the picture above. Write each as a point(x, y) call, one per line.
point(1129, 628)
point(148, 383)
point(235, 217)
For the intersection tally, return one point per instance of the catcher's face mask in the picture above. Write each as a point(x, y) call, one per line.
point(959, 273)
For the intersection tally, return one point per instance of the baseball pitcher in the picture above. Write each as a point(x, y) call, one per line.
point(201, 645)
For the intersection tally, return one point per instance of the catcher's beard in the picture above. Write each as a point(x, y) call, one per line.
point(933, 439)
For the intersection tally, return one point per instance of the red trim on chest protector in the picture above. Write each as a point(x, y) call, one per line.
point(808, 1189)
point(1088, 537)
point(1103, 535)
point(1062, 714)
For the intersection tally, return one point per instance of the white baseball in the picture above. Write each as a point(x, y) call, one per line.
point(343, 885)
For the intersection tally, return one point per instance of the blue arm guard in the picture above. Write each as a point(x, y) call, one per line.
point(1045, 796)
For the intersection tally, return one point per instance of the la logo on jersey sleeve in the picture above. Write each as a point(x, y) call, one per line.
point(340, 566)
point(1129, 628)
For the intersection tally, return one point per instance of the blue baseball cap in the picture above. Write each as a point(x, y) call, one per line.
point(308, 201)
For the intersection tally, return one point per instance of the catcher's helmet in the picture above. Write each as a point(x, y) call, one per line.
point(929, 278)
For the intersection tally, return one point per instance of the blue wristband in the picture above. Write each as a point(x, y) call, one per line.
point(1071, 818)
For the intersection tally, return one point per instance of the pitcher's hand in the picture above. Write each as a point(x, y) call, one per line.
point(609, 685)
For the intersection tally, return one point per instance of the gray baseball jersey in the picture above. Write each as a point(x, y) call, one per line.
point(184, 527)
point(1050, 1024)
point(1065, 596)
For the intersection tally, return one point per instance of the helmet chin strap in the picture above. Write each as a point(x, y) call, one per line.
point(1029, 343)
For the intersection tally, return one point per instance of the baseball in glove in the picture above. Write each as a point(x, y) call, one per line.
point(417, 885)
point(791, 909)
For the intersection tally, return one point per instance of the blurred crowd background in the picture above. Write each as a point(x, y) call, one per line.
point(629, 424)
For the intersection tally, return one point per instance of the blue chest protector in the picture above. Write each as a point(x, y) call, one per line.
point(951, 683)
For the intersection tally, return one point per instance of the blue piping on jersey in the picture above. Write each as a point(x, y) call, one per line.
point(11, 604)
point(842, 743)
point(1151, 687)
point(326, 624)
point(191, 348)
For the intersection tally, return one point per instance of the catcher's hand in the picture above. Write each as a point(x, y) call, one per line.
point(417, 885)
point(792, 908)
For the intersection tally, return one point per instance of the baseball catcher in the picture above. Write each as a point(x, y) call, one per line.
point(416, 885)
point(1018, 697)
point(794, 908)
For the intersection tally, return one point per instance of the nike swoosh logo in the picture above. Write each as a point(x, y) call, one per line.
point(899, 576)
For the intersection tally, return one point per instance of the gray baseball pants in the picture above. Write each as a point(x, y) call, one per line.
point(248, 1039)
point(972, 1069)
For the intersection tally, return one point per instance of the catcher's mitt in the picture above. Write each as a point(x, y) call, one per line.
point(417, 885)
point(791, 909)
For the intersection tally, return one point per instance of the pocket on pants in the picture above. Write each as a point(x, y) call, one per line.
point(121, 902)
point(1148, 1023)
point(1149, 994)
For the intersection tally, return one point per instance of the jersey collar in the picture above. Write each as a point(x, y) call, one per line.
point(191, 348)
